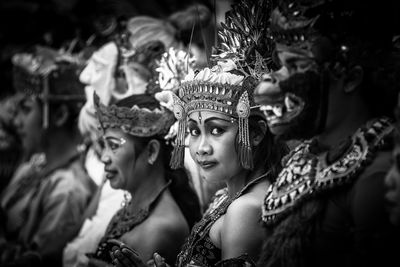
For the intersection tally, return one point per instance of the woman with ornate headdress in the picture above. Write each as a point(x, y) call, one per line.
point(230, 142)
point(104, 74)
point(45, 200)
point(138, 138)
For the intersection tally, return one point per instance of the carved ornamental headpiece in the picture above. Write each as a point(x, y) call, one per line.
point(227, 87)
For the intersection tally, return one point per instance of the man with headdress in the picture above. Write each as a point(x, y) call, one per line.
point(45, 200)
point(335, 85)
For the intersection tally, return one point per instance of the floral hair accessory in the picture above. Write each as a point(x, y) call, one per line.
point(143, 122)
point(174, 66)
point(227, 87)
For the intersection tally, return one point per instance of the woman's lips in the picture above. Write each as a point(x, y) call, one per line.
point(207, 164)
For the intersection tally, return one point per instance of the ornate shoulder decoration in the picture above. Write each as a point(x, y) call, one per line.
point(305, 175)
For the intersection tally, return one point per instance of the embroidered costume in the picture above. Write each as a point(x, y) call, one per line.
point(326, 207)
point(146, 122)
point(226, 88)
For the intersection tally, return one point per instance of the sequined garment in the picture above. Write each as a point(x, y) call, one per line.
point(199, 249)
point(123, 222)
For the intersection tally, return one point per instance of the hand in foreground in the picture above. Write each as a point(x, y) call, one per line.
point(93, 262)
point(124, 256)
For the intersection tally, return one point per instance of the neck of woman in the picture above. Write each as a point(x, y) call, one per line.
point(153, 183)
point(239, 181)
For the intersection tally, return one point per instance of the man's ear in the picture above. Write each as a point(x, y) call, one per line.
point(153, 151)
point(258, 136)
point(353, 79)
point(61, 115)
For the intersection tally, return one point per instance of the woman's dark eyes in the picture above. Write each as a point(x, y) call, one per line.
point(112, 145)
point(212, 131)
point(217, 131)
point(194, 132)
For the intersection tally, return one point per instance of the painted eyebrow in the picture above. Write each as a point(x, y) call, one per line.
point(113, 138)
point(210, 120)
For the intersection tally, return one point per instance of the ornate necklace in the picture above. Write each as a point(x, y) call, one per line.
point(218, 208)
point(305, 174)
point(124, 221)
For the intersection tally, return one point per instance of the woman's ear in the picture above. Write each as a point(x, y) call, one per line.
point(61, 115)
point(353, 79)
point(153, 149)
point(260, 133)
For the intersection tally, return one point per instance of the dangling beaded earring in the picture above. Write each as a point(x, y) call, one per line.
point(179, 150)
point(126, 200)
point(243, 111)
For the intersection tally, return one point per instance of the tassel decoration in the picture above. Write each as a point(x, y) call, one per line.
point(178, 153)
point(244, 147)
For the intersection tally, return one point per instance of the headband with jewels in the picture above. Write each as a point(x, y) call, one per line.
point(227, 87)
point(49, 75)
point(136, 121)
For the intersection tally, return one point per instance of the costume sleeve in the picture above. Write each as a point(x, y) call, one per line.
point(64, 202)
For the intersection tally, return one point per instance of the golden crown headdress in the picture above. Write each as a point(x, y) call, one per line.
point(228, 86)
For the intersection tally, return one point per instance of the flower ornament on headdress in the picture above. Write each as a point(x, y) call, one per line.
point(141, 121)
point(227, 87)
point(174, 66)
point(49, 75)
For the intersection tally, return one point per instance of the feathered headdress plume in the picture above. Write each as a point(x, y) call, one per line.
point(243, 37)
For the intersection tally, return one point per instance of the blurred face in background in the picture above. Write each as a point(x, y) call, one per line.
point(99, 73)
point(28, 123)
point(98, 76)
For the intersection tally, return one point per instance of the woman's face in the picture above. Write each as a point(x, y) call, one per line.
point(28, 123)
point(212, 145)
point(120, 159)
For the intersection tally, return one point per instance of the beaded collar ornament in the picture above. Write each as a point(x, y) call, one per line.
point(49, 75)
point(306, 175)
point(143, 122)
point(228, 86)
